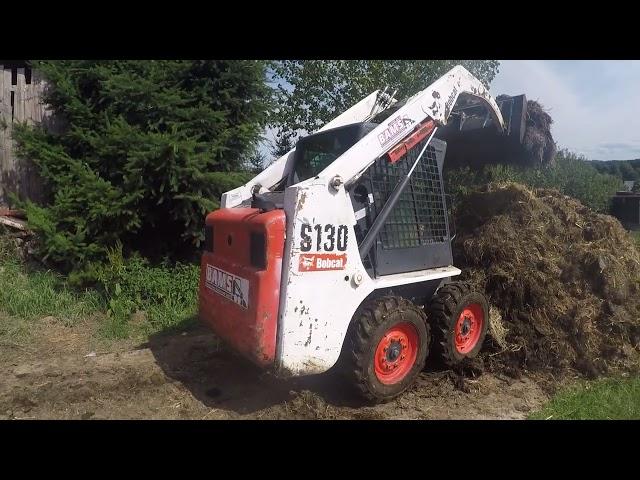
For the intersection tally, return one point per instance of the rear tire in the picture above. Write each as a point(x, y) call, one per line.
point(460, 319)
point(386, 348)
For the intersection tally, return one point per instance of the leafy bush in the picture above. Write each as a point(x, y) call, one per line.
point(147, 150)
point(145, 296)
point(571, 174)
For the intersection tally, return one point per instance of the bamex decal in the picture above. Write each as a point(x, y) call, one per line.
point(316, 262)
point(393, 130)
point(228, 285)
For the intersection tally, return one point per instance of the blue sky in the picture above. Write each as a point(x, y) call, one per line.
point(595, 104)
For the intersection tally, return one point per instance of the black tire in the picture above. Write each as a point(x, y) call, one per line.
point(445, 310)
point(366, 335)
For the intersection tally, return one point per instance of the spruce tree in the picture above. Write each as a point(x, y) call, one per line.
point(147, 150)
point(283, 144)
point(256, 162)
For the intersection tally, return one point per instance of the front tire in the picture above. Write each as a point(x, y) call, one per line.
point(387, 347)
point(460, 318)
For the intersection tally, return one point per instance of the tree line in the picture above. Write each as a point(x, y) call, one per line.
point(623, 169)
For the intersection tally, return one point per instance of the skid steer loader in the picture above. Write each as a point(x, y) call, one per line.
point(339, 253)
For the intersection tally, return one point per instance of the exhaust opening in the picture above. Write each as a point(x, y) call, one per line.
point(258, 246)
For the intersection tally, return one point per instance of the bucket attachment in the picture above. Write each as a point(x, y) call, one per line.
point(473, 138)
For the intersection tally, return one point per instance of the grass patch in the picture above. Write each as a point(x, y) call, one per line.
point(635, 234)
point(143, 299)
point(133, 298)
point(26, 296)
point(607, 399)
point(30, 295)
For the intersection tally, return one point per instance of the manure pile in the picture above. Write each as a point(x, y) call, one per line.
point(538, 141)
point(563, 281)
point(538, 146)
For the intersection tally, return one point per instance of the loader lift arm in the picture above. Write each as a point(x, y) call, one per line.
point(438, 101)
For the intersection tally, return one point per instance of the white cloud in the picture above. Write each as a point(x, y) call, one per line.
point(594, 104)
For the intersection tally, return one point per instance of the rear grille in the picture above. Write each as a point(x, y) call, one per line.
point(208, 238)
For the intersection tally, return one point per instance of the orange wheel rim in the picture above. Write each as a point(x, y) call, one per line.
point(396, 353)
point(468, 328)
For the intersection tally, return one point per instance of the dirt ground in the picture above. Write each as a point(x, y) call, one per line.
point(64, 374)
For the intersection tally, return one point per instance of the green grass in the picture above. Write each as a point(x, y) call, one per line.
point(635, 234)
point(166, 294)
point(27, 296)
point(607, 399)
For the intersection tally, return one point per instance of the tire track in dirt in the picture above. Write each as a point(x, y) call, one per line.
point(192, 376)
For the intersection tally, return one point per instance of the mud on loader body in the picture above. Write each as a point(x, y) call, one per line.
point(340, 251)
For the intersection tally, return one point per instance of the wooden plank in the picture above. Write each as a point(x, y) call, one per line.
point(6, 75)
point(8, 212)
point(7, 171)
point(29, 102)
point(39, 103)
point(34, 99)
point(42, 112)
point(5, 109)
point(37, 92)
point(2, 106)
point(36, 102)
point(26, 101)
point(19, 97)
point(13, 222)
point(3, 122)
point(29, 185)
point(6, 132)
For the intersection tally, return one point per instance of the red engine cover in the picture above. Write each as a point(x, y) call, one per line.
point(238, 300)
